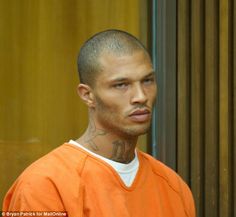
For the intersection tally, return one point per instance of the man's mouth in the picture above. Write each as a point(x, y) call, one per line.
point(140, 115)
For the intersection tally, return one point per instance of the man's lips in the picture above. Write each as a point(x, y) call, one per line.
point(140, 115)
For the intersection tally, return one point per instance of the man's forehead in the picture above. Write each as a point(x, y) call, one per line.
point(121, 56)
point(113, 67)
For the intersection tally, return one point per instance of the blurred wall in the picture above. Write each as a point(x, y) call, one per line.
point(40, 39)
point(196, 56)
point(207, 103)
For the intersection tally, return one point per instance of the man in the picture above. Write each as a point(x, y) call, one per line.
point(102, 174)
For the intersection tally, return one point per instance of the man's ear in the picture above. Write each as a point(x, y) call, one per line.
point(86, 94)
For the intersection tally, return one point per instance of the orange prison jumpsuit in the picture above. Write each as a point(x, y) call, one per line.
point(70, 179)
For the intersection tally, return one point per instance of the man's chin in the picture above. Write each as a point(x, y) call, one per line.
point(138, 130)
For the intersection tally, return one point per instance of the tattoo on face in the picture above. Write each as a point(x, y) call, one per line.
point(122, 151)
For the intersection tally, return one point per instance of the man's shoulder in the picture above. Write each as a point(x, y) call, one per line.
point(64, 161)
point(170, 179)
point(47, 180)
point(165, 173)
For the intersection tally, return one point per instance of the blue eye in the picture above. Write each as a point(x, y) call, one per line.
point(148, 80)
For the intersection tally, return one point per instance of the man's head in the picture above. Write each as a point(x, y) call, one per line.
point(111, 42)
point(117, 82)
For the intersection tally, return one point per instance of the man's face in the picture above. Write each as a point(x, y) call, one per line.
point(125, 92)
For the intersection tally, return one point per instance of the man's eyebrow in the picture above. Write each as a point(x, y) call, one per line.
point(121, 79)
point(150, 75)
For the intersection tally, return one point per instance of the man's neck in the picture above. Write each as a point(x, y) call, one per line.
point(108, 144)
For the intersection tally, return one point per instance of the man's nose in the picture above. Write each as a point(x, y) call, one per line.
point(138, 95)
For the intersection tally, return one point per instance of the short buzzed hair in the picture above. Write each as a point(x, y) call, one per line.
point(110, 41)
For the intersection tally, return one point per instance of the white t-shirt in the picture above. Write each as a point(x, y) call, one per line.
point(127, 172)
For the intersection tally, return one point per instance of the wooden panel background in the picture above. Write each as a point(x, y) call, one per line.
point(206, 103)
point(39, 107)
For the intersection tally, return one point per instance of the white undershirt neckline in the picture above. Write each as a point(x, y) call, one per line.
point(127, 172)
